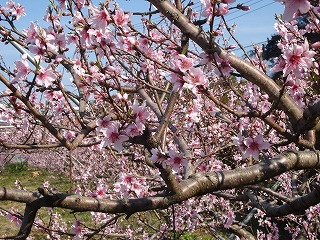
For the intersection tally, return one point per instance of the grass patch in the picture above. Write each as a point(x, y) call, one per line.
point(196, 236)
point(31, 178)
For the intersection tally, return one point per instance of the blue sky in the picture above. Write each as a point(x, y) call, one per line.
point(255, 25)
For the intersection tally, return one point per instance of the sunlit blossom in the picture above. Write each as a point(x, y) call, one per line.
point(184, 63)
point(195, 77)
point(254, 146)
point(294, 6)
point(77, 229)
point(112, 137)
point(103, 123)
point(120, 18)
point(298, 57)
point(176, 160)
point(45, 77)
point(223, 66)
point(22, 68)
point(140, 112)
point(223, 9)
point(100, 18)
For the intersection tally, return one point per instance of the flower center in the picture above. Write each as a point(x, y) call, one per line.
point(295, 60)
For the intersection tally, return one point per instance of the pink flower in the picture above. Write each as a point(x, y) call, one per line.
point(78, 190)
point(208, 11)
point(121, 19)
point(177, 81)
point(158, 157)
point(53, 95)
point(77, 229)
point(31, 33)
point(127, 43)
point(184, 63)
point(294, 6)
point(139, 112)
point(254, 146)
point(103, 123)
point(176, 161)
point(195, 78)
point(229, 219)
point(69, 135)
point(100, 18)
point(279, 66)
point(206, 59)
point(133, 130)
point(77, 19)
point(143, 43)
point(127, 183)
point(138, 189)
point(46, 184)
point(10, 4)
point(60, 41)
point(62, 4)
point(127, 179)
point(38, 49)
point(14, 219)
point(122, 189)
point(156, 35)
point(80, 3)
point(18, 11)
point(101, 191)
point(45, 76)
point(224, 66)
point(122, 97)
point(23, 68)
point(239, 141)
point(52, 18)
point(295, 86)
point(298, 58)
point(113, 137)
point(223, 9)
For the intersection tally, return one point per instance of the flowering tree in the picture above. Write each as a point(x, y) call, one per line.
point(166, 121)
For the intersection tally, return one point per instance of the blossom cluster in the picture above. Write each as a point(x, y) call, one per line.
point(110, 129)
point(91, 91)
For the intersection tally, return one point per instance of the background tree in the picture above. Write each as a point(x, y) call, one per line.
point(163, 121)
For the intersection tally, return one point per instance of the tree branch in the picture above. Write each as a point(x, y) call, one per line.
point(248, 71)
point(297, 205)
point(36, 113)
point(197, 185)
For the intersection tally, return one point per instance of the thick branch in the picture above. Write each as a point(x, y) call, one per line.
point(241, 232)
point(297, 205)
point(310, 120)
point(31, 146)
point(28, 218)
point(197, 185)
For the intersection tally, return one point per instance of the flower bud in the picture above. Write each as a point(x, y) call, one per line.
point(243, 8)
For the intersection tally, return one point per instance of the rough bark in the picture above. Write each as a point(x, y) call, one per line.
point(197, 185)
